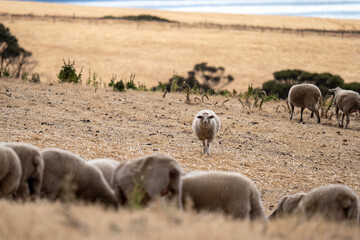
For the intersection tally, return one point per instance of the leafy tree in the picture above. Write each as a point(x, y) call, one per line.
point(202, 78)
point(12, 56)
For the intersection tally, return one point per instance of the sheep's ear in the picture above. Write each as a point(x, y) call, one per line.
point(199, 117)
point(332, 90)
point(210, 117)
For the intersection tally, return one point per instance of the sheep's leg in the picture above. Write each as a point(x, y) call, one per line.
point(347, 119)
point(292, 110)
point(35, 186)
point(312, 115)
point(207, 147)
point(337, 115)
point(342, 120)
point(204, 146)
point(301, 115)
point(23, 191)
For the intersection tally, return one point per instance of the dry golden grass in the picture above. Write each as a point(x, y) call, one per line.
point(154, 51)
point(280, 156)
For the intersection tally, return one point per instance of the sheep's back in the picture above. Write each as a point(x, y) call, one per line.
point(331, 200)
point(215, 190)
point(347, 98)
point(303, 95)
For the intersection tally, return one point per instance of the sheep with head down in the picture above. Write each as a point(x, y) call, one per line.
point(231, 193)
point(32, 166)
point(106, 166)
point(148, 178)
point(304, 95)
point(335, 201)
point(206, 124)
point(65, 171)
point(10, 172)
point(348, 102)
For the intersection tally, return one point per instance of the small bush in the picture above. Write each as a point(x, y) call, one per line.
point(120, 86)
point(142, 87)
point(224, 93)
point(35, 78)
point(283, 80)
point(5, 73)
point(92, 80)
point(130, 84)
point(24, 76)
point(68, 73)
point(160, 87)
point(142, 17)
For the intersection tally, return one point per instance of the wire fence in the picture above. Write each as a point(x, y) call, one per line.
point(208, 25)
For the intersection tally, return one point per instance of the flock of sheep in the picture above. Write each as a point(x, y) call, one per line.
point(308, 95)
point(28, 172)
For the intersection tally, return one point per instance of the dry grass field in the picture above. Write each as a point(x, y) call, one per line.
point(154, 51)
point(280, 156)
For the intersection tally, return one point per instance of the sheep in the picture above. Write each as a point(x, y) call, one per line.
point(232, 193)
point(205, 126)
point(347, 101)
point(64, 170)
point(144, 179)
point(32, 165)
point(10, 172)
point(106, 166)
point(334, 201)
point(304, 96)
point(287, 205)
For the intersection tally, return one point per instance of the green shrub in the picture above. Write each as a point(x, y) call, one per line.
point(5, 73)
point(68, 73)
point(24, 76)
point(35, 78)
point(283, 80)
point(142, 87)
point(211, 76)
point(224, 93)
point(120, 86)
point(355, 86)
point(130, 84)
point(141, 17)
point(160, 87)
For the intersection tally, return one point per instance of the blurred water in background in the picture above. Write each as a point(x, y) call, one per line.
point(348, 9)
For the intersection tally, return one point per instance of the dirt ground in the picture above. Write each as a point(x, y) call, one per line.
point(280, 156)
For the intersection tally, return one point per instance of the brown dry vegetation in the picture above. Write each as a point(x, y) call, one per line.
point(280, 156)
point(155, 51)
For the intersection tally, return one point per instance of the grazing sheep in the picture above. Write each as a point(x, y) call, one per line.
point(205, 126)
point(231, 193)
point(10, 172)
point(106, 166)
point(149, 177)
point(334, 201)
point(32, 165)
point(65, 171)
point(304, 96)
point(347, 101)
point(287, 205)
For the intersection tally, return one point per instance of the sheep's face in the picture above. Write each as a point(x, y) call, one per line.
point(205, 119)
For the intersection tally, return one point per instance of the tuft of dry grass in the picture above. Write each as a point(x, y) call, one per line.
point(43, 220)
